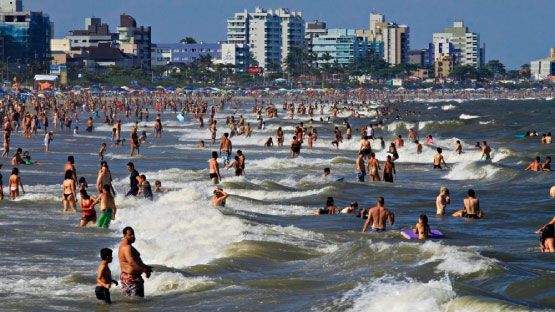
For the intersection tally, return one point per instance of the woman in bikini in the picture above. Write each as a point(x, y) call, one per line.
point(15, 183)
point(68, 191)
point(89, 213)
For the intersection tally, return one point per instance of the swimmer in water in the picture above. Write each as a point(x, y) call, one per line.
point(101, 151)
point(422, 228)
point(374, 167)
point(214, 169)
point(269, 142)
point(378, 215)
point(14, 184)
point(352, 208)
point(325, 174)
point(547, 240)
point(442, 200)
point(219, 197)
point(438, 159)
point(471, 207)
point(329, 209)
point(535, 165)
point(486, 151)
point(158, 187)
point(361, 170)
point(418, 147)
point(458, 148)
point(104, 277)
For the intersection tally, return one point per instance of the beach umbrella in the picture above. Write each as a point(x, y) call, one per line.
point(42, 96)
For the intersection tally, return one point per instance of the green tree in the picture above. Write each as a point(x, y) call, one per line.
point(464, 72)
point(496, 67)
point(296, 62)
point(188, 40)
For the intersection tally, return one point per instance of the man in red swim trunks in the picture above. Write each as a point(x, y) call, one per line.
point(132, 266)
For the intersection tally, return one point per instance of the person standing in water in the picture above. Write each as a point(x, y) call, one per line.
point(471, 207)
point(89, 213)
point(68, 191)
point(374, 168)
point(486, 151)
point(438, 159)
point(361, 169)
point(378, 216)
point(389, 172)
point(442, 200)
point(107, 207)
point(214, 169)
point(219, 197)
point(104, 277)
point(535, 165)
point(14, 184)
point(225, 149)
point(132, 266)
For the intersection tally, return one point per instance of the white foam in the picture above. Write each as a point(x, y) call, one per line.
point(465, 116)
point(390, 294)
point(49, 286)
point(448, 107)
point(180, 229)
point(453, 259)
point(469, 170)
point(166, 283)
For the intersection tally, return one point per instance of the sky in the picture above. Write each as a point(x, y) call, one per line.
point(514, 31)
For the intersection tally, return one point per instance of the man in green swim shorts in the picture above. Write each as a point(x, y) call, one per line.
point(107, 207)
point(486, 150)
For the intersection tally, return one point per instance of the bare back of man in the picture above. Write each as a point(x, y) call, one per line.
point(378, 216)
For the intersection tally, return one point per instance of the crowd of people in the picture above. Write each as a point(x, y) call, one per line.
point(65, 114)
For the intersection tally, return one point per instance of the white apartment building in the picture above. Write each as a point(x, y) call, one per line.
point(467, 42)
point(292, 31)
point(269, 34)
point(544, 68)
point(395, 38)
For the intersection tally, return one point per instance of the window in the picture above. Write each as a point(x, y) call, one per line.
point(176, 50)
point(184, 58)
point(201, 50)
point(193, 50)
point(183, 50)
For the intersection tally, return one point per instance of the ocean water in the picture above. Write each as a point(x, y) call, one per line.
point(266, 251)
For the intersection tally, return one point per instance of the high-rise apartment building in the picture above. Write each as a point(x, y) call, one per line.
point(269, 34)
point(387, 40)
point(313, 30)
point(467, 43)
point(26, 34)
point(94, 34)
point(544, 68)
point(135, 40)
point(342, 46)
point(395, 39)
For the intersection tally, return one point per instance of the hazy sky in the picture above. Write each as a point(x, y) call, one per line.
point(514, 31)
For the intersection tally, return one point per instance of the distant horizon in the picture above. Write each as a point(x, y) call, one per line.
point(515, 32)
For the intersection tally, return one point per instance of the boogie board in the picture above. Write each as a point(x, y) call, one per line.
point(409, 234)
point(181, 118)
point(520, 136)
point(339, 179)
